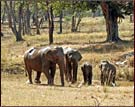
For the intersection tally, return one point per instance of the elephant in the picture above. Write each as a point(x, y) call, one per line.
point(45, 60)
point(87, 73)
point(72, 57)
point(108, 73)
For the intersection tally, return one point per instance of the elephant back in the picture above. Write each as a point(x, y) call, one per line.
point(30, 53)
point(44, 50)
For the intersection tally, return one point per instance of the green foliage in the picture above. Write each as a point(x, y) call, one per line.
point(93, 5)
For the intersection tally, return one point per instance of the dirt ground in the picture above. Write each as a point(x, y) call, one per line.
point(15, 92)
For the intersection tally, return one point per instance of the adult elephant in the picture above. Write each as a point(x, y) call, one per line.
point(72, 57)
point(43, 60)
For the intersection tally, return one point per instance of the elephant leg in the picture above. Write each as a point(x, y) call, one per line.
point(37, 79)
point(53, 70)
point(109, 74)
point(75, 67)
point(29, 76)
point(105, 77)
point(47, 74)
point(89, 79)
point(102, 78)
point(84, 77)
point(61, 67)
point(69, 73)
point(113, 79)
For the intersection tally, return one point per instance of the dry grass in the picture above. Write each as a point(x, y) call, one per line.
point(89, 41)
point(16, 92)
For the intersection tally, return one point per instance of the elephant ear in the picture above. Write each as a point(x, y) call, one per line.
point(75, 55)
point(72, 53)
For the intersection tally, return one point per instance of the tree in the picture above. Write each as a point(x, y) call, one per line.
point(112, 11)
point(58, 7)
point(13, 20)
point(50, 21)
point(36, 17)
point(3, 12)
point(77, 7)
point(27, 17)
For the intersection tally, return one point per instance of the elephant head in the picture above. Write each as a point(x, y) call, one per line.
point(54, 55)
point(108, 72)
point(72, 57)
point(104, 65)
point(72, 54)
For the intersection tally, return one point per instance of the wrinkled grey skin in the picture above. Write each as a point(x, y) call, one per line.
point(108, 73)
point(43, 60)
point(72, 58)
point(87, 73)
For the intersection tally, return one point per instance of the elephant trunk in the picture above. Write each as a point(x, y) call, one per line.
point(62, 70)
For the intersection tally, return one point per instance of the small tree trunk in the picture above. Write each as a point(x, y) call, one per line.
point(111, 23)
point(73, 24)
point(61, 15)
point(36, 19)
point(23, 24)
point(51, 22)
point(73, 18)
point(13, 27)
point(51, 26)
point(28, 13)
point(19, 35)
point(3, 16)
point(131, 18)
point(78, 22)
point(9, 15)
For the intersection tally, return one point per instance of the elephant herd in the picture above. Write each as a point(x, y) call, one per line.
point(45, 60)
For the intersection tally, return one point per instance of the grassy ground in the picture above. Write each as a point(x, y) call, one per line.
point(89, 41)
point(16, 92)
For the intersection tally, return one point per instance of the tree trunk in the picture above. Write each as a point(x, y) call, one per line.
point(51, 22)
point(51, 26)
point(23, 24)
point(131, 18)
point(111, 23)
point(61, 15)
point(78, 22)
point(73, 24)
point(36, 19)
point(28, 13)
point(73, 18)
point(3, 16)
point(19, 35)
point(11, 15)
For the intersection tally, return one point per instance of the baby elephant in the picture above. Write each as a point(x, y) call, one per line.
point(108, 73)
point(87, 73)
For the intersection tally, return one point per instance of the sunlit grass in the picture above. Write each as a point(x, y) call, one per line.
point(14, 91)
point(89, 41)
